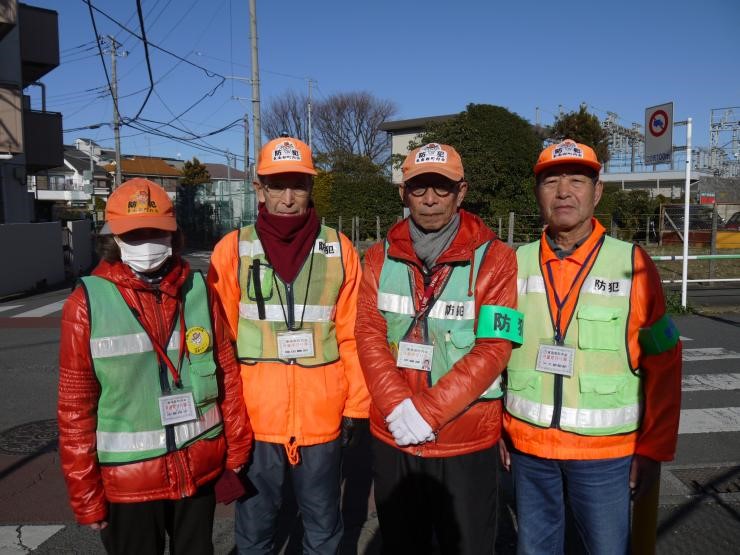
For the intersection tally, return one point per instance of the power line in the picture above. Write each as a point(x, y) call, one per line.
point(146, 55)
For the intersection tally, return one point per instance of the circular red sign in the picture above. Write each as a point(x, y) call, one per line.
point(657, 125)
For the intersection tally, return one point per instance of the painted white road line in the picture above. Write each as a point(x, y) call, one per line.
point(24, 538)
point(682, 338)
point(9, 307)
point(708, 353)
point(41, 311)
point(702, 421)
point(710, 382)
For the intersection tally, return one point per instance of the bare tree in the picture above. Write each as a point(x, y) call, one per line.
point(350, 123)
point(287, 113)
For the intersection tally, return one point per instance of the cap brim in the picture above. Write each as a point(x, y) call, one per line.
point(542, 166)
point(124, 225)
point(272, 170)
point(441, 170)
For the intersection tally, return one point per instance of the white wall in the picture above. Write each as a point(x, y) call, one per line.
point(32, 253)
point(400, 145)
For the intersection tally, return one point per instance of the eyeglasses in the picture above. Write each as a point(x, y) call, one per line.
point(441, 190)
point(276, 190)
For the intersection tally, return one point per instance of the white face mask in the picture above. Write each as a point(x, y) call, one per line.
point(146, 255)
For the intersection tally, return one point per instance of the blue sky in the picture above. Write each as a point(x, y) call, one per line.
point(430, 58)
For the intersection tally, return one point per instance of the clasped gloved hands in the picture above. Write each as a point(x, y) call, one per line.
point(407, 425)
point(351, 430)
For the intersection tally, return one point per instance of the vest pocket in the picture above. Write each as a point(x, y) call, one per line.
point(458, 343)
point(604, 391)
point(204, 383)
point(520, 380)
point(599, 329)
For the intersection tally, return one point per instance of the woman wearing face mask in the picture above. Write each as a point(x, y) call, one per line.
point(150, 402)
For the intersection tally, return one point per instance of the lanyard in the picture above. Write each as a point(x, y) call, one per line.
point(158, 349)
point(428, 300)
point(560, 303)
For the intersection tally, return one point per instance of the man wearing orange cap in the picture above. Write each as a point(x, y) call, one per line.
point(288, 287)
point(593, 394)
point(150, 402)
point(435, 323)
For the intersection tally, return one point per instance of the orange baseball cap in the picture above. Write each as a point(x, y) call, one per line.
point(285, 155)
point(433, 158)
point(567, 152)
point(136, 204)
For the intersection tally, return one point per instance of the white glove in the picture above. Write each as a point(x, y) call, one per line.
point(407, 425)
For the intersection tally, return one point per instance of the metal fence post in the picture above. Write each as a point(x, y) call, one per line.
point(511, 229)
point(500, 226)
point(339, 225)
point(377, 228)
point(713, 244)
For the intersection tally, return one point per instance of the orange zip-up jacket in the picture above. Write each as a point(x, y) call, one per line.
point(661, 374)
point(285, 401)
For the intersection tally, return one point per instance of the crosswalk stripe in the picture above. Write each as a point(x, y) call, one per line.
point(708, 353)
point(710, 382)
point(41, 311)
point(24, 538)
point(682, 338)
point(9, 307)
point(702, 421)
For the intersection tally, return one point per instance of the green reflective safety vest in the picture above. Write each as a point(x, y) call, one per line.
point(129, 425)
point(311, 299)
point(603, 396)
point(450, 322)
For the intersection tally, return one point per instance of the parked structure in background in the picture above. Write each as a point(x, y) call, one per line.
point(232, 195)
point(30, 144)
point(150, 167)
point(30, 137)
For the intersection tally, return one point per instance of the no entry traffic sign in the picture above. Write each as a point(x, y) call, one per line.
point(659, 134)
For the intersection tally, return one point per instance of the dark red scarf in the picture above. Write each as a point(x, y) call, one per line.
point(287, 240)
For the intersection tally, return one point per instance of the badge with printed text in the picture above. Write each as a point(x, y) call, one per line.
point(295, 344)
point(177, 407)
point(556, 359)
point(197, 340)
point(417, 356)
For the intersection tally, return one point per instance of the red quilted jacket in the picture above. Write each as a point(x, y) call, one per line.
point(174, 475)
point(450, 407)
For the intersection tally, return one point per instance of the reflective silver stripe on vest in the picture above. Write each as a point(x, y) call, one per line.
point(254, 248)
point(571, 417)
point(453, 310)
point(533, 284)
point(398, 304)
point(442, 310)
point(605, 286)
point(133, 442)
point(274, 313)
point(129, 344)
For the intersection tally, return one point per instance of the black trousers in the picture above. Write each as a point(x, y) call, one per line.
point(452, 499)
point(140, 527)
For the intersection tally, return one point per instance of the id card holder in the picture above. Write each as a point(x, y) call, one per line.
point(555, 359)
point(177, 407)
point(295, 344)
point(417, 356)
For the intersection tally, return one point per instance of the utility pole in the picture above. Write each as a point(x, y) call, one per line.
point(114, 44)
point(310, 82)
point(255, 81)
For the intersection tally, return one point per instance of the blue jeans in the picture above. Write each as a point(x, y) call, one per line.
point(598, 493)
point(316, 484)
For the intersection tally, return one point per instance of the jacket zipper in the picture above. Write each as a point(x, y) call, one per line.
point(558, 389)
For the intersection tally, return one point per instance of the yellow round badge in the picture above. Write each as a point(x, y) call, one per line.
point(197, 340)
